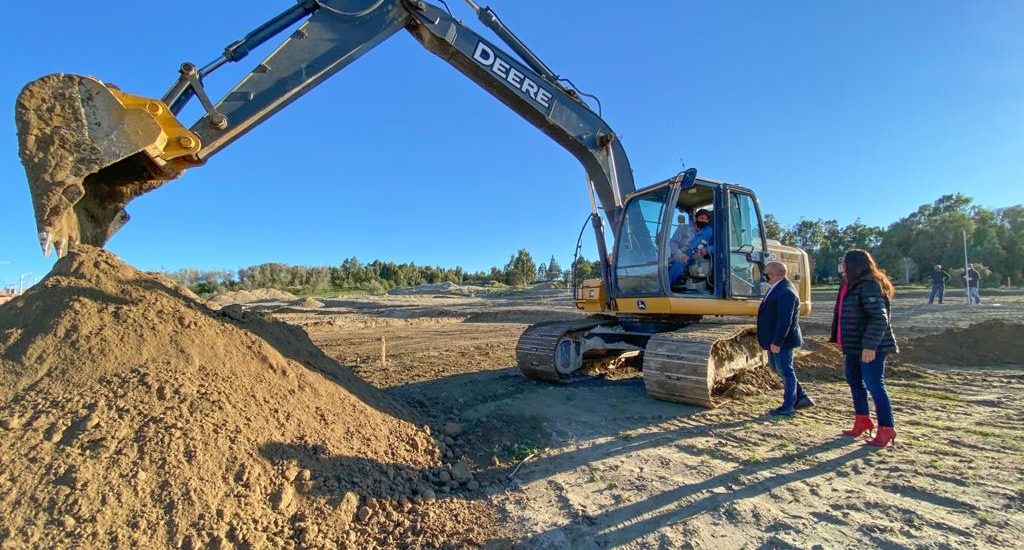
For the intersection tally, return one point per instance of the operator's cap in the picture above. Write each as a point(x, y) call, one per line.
point(702, 212)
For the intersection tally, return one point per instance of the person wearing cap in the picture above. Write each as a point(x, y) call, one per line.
point(939, 278)
point(702, 244)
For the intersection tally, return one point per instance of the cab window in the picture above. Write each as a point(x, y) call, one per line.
point(636, 266)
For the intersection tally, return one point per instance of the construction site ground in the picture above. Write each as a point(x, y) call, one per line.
point(134, 414)
point(598, 464)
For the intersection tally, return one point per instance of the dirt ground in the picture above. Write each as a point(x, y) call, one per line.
point(134, 414)
point(598, 464)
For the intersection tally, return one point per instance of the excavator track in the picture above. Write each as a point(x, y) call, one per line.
point(536, 349)
point(688, 365)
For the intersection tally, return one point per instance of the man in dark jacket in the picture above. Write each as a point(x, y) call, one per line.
point(778, 331)
point(939, 278)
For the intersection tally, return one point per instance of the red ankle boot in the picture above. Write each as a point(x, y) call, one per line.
point(861, 423)
point(885, 436)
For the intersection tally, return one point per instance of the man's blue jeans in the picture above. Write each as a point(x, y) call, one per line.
point(975, 296)
point(792, 391)
point(937, 290)
point(869, 377)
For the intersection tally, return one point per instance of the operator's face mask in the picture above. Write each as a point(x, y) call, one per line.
point(700, 224)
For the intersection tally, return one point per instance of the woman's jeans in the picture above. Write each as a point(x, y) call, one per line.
point(869, 377)
point(793, 392)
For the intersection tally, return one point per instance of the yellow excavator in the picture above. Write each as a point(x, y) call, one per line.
point(89, 148)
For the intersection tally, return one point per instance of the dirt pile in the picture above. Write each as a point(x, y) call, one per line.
point(254, 295)
point(132, 416)
point(986, 344)
point(310, 303)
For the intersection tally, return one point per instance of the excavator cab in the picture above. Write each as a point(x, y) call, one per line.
point(651, 318)
point(728, 265)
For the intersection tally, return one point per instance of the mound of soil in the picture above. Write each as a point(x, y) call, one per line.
point(754, 381)
point(989, 343)
point(254, 295)
point(819, 361)
point(134, 417)
point(310, 303)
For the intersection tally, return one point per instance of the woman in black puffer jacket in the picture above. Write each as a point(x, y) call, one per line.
point(862, 329)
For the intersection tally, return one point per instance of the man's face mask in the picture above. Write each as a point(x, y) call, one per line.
point(699, 224)
point(841, 268)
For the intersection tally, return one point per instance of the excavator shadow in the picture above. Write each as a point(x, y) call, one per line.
point(507, 416)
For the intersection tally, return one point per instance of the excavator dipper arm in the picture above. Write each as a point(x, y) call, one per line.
point(86, 203)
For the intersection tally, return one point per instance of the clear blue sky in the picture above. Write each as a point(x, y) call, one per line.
point(838, 110)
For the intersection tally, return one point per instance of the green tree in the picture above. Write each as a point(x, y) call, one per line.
point(553, 271)
point(520, 269)
point(772, 228)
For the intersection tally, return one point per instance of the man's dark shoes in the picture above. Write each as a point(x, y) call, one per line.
point(805, 402)
point(781, 412)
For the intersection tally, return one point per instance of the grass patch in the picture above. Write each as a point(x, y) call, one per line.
point(754, 459)
point(523, 450)
point(941, 448)
point(928, 394)
point(983, 432)
point(984, 518)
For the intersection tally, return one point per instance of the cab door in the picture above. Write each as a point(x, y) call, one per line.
point(747, 245)
point(638, 257)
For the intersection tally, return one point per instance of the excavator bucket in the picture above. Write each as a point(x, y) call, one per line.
point(89, 149)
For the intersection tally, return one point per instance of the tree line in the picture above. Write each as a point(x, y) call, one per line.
point(907, 249)
point(375, 277)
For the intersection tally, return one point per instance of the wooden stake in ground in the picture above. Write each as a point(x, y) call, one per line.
point(383, 352)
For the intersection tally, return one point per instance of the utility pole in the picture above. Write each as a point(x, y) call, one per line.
point(21, 283)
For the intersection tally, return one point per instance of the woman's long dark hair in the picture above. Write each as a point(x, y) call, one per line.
point(859, 265)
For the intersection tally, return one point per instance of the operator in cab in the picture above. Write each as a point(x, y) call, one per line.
point(697, 249)
point(702, 244)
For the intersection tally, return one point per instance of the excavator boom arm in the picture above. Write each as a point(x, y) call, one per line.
point(122, 145)
point(333, 38)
